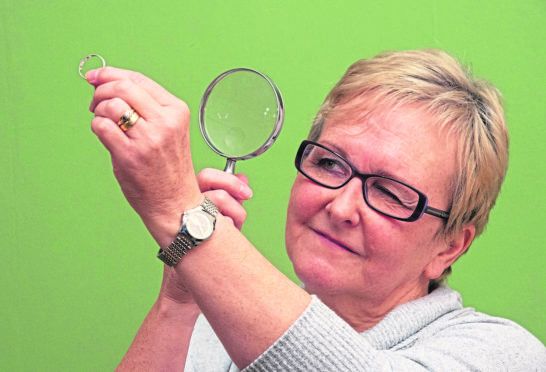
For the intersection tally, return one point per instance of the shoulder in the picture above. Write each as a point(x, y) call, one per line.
point(484, 339)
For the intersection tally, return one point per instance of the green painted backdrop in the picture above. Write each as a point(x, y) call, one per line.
point(78, 269)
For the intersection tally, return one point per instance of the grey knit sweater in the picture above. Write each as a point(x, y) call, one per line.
point(433, 333)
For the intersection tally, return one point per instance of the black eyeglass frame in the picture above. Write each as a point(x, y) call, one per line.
point(422, 205)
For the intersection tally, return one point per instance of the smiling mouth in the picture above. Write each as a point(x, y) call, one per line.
point(333, 242)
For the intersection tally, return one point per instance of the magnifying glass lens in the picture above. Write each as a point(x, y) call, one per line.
point(240, 114)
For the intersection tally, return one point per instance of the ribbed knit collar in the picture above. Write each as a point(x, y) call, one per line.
point(409, 318)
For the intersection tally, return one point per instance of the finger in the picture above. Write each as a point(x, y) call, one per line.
point(215, 179)
point(135, 96)
point(231, 221)
point(110, 74)
point(228, 206)
point(110, 135)
point(242, 177)
point(114, 109)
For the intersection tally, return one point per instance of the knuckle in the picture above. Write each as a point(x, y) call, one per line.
point(181, 110)
point(203, 177)
point(124, 87)
point(99, 125)
point(111, 105)
point(171, 126)
point(137, 77)
point(222, 195)
point(179, 104)
point(98, 92)
point(206, 174)
point(218, 197)
point(240, 219)
point(242, 177)
point(106, 71)
point(183, 107)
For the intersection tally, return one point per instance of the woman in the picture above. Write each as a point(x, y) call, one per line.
point(405, 160)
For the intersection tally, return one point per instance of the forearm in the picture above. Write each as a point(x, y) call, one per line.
point(247, 301)
point(163, 339)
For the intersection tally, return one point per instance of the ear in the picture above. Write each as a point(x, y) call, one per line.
point(454, 247)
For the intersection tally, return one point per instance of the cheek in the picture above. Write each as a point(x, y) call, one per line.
point(303, 206)
point(304, 200)
point(406, 249)
point(393, 246)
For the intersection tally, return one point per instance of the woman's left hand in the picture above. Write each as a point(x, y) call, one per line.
point(152, 160)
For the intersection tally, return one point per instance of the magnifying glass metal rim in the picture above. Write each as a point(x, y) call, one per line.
point(276, 129)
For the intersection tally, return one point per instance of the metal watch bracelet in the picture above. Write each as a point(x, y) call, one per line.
point(182, 244)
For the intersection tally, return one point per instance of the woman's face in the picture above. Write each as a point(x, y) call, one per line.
point(340, 247)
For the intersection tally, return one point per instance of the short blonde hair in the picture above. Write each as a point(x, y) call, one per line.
point(466, 107)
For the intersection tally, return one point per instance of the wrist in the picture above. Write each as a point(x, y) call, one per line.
point(168, 308)
point(164, 225)
point(197, 227)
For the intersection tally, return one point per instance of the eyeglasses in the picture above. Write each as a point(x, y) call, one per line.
point(385, 195)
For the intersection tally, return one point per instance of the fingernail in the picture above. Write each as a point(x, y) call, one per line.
point(245, 191)
point(91, 76)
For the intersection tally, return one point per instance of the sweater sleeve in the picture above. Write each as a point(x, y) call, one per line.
point(463, 341)
point(206, 352)
point(318, 341)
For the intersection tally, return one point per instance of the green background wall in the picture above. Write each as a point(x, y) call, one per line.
point(78, 269)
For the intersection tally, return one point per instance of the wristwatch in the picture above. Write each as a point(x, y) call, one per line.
point(197, 226)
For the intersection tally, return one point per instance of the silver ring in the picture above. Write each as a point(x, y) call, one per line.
point(82, 63)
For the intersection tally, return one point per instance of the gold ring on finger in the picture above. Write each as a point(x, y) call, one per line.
point(128, 120)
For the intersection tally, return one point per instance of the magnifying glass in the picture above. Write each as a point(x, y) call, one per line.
point(241, 115)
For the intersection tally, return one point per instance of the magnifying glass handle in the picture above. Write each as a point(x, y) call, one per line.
point(230, 166)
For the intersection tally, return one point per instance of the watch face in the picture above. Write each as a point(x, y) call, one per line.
point(199, 225)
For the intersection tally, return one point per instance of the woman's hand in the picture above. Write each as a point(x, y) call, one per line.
point(152, 160)
point(227, 192)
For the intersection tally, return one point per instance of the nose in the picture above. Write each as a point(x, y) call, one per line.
point(346, 205)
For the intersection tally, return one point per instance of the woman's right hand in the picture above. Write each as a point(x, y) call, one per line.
point(227, 192)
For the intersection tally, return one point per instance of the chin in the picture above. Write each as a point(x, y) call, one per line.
point(319, 277)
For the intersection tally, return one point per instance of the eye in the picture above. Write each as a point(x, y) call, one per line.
point(331, 166)
point(388, 194)
point(327, 163)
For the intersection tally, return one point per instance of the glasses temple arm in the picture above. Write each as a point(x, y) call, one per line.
point(436, 212)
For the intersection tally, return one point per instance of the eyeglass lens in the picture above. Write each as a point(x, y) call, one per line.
point(387, 196)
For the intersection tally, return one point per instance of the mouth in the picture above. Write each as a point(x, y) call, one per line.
point(334, 243)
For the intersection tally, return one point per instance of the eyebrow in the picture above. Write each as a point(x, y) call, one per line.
point(379, 172)
point(334, 147)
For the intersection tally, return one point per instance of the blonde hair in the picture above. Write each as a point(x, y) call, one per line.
point(466, 107)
